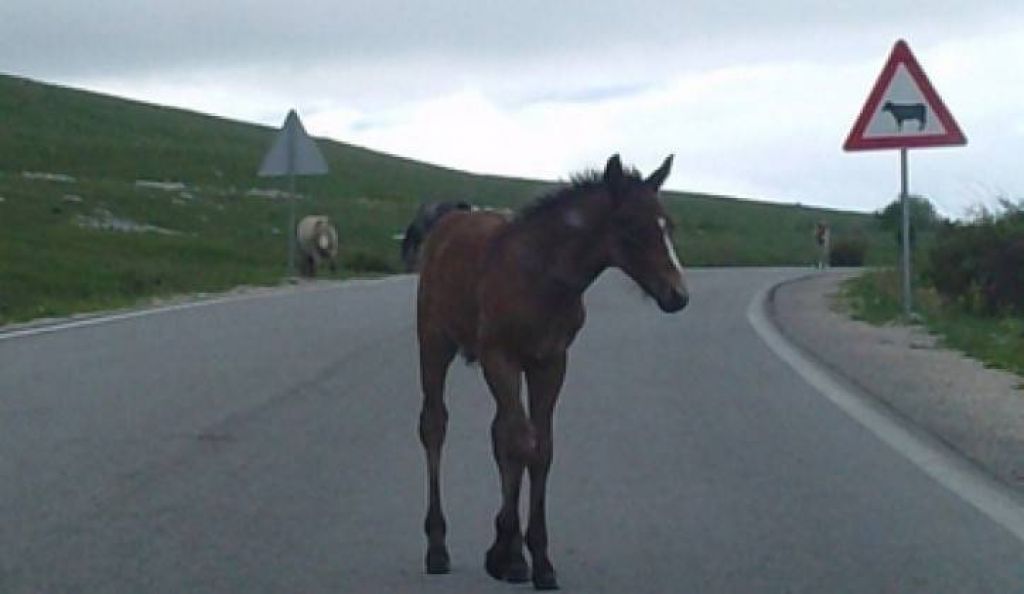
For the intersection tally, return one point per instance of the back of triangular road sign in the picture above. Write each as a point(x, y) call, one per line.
point(903, 110)
point(293, 152)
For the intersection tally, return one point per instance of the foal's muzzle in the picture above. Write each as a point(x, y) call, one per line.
point(674, 301)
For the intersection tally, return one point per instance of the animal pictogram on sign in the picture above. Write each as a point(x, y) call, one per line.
point(911, 111)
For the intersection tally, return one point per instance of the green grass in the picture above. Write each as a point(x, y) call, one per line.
point(996, 341)
point(223, 237)
point(721, 231)
point(51, 265)
point(874, 297)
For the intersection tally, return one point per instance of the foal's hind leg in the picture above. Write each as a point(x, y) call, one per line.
point(514, 443)
point(436, 353)
point(544, 382)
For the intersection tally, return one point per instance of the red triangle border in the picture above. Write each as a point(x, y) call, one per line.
point(901, 55)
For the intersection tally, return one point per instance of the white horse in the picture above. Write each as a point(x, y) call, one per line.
point(317, 241)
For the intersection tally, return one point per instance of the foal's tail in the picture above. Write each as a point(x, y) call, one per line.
point(416, 233)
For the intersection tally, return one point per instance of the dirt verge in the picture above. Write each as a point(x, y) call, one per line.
point(977, 411)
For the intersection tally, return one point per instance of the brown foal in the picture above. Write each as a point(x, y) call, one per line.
point(509, 293)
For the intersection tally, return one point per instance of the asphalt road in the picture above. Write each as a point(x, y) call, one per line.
point(268, 444)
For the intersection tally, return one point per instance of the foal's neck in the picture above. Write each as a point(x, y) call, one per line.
point(565, 249)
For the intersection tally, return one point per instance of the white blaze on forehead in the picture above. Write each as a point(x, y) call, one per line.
point(671, 249)
point(325, 242)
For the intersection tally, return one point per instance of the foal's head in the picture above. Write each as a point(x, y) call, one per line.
point(640, 234)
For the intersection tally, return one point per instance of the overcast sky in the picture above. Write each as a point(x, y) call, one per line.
point(755, 98)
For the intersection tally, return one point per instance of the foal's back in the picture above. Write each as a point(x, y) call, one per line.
point(452, 264)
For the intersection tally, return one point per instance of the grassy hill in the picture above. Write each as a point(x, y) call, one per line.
point(78, 231)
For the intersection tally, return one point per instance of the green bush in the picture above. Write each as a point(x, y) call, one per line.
point(848, 252)
point(923, 219)
point(980, 263)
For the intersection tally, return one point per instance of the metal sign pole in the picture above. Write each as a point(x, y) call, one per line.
point(905, 200)
point(291, 203)
point(291, 224)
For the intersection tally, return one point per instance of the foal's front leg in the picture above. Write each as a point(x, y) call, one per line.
point(544, 381)
point(514, 443)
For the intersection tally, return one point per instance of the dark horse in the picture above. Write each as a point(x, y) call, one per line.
point(509, 292)
point(427, 215)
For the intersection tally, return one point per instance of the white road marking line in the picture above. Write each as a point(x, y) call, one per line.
point(129, 315)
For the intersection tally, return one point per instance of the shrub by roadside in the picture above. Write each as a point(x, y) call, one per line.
point(996, 340)
point(979, 265)
point(848, 251)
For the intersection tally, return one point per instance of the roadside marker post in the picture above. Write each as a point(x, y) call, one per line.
point(292, 153)
point(903, 111)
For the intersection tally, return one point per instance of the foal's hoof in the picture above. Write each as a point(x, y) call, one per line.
point(544, 574)
point(507, 568)
point(545, 581)
point(438, 561)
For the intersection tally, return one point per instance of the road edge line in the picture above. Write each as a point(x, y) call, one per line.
point(101, 318)
point(949, 468)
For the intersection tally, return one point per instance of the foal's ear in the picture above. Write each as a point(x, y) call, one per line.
point(658, 177)
point(613, 172)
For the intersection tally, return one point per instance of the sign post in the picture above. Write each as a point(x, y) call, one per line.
point(905, 282)
point(903, 112)
point(292, 153)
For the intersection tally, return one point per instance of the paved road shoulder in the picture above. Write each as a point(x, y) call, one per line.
point(977, 411)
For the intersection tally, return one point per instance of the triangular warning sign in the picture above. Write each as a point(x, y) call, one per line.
point(293, 152)
point(903, 110)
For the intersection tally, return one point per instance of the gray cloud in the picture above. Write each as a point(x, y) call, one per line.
point(69, 38)
point(382, 72)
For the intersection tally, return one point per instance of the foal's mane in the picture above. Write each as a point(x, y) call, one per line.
point(580, 184)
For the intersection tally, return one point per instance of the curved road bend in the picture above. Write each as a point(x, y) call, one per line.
point(268, 444)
